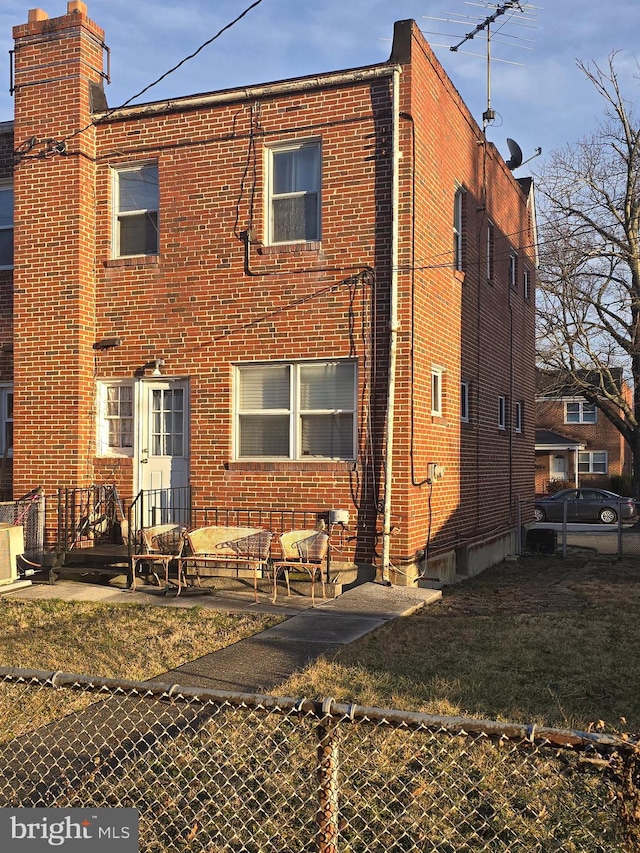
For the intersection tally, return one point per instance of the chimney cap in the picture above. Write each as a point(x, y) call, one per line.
point(76, 6)
point(37, 15)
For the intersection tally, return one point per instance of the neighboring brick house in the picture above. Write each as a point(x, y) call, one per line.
point(575, 442)
point(302, 294)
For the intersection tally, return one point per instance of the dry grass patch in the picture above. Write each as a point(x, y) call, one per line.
point(543, 640)
point(119, 641)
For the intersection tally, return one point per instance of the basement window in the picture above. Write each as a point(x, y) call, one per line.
point(136, 202)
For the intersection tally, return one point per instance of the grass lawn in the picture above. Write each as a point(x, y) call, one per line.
point(542, 640)
point(119, 641)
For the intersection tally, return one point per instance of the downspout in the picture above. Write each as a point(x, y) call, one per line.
point(393, 321)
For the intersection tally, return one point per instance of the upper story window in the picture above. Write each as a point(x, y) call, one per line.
point(502, 412)
point(526, 283)
point(490, 250)
point(458, 236)
point(296, 411)
point(518, 416)
point(464, 401)
point(580, 413)
point(294, 193)
point(436, 391)
point(115, 421)
point(6, 226)
point(513, 270)
point(136, 198)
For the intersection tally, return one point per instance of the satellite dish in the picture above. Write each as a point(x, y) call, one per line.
point(516, 155)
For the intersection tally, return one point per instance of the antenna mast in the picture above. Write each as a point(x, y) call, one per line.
point(489, 113)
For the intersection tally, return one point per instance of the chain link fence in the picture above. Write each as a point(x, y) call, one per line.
point(212, 772)
point(566, 524)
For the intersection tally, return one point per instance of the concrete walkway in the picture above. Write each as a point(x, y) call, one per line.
point(259, 663)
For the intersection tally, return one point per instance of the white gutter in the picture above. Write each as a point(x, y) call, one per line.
point(393, 322)
point(248, 93)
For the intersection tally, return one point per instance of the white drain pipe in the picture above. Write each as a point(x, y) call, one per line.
point(393, 321)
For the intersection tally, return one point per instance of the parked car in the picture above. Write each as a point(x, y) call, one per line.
point(596, 505)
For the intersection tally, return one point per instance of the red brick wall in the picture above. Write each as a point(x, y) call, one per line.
point(550, 415)
point(54, 282)
point(203, 306)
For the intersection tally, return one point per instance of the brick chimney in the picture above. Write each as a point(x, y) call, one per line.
point(57, 63)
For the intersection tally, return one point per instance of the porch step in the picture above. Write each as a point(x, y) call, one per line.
point(108, 560)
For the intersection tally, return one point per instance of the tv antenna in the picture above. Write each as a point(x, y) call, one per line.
point(510, 8)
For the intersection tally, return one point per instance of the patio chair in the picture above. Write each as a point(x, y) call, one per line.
point(302, 550)
point(161, 544)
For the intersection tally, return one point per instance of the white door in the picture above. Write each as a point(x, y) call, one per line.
point(163, 456)
point(559, 467)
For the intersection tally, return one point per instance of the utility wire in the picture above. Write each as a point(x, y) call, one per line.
point(220, 32)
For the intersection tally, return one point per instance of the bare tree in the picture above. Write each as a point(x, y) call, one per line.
point(589, 290)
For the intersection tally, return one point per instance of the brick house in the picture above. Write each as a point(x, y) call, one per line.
point(575, 442)
point(317, 292)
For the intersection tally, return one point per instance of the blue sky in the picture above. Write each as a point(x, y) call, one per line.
point(544, 102)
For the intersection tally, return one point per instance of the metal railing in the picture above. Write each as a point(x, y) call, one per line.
point(28, 511)
point(214, 771)
point(87, 516)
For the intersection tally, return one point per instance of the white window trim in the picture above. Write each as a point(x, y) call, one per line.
point(294, 412)
point(513, 269)
point(458, 230)
point(526, 283)
point(517, 416)
point(6, 391)
point(116, 171)
point(6, 186)
point(437, 391)
point(590, 463)
point(490, 250)
point(502, 412)
point(270, 195)
point(102, 422)
point(464, 401)
point(580, 420)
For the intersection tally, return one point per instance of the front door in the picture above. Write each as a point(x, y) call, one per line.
point(559, 467)
point(163, 456)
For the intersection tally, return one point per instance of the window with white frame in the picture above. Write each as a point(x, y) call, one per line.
point(526, 283)
point(297, 410)
point(517, 415)
point(115, 419)
point(593, 462)
point(513, 270)
point(490, 250)
point(136, 203)
point(464, 401)
point(436, 391)
point(580, 413)
point(457, 230)
point(6, 419)
point(6, 226)
point(502, 412)
point(294, 178)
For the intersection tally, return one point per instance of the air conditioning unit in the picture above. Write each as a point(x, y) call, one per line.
point(11, 546)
